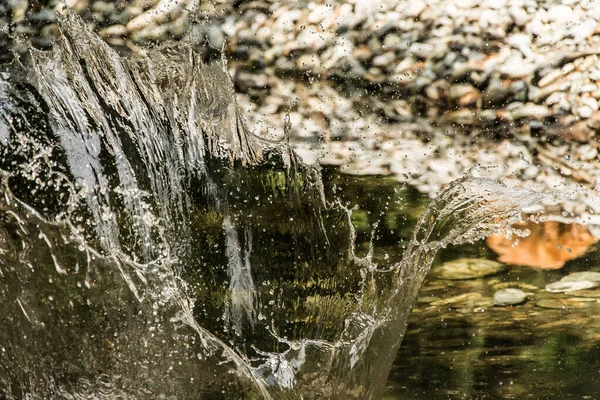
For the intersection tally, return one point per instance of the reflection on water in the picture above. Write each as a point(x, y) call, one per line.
point(459, 345)
point(547, 348)
point(549, 245)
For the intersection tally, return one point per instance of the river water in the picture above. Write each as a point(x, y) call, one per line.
point(152, 247)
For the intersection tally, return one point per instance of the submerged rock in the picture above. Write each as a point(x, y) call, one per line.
point(468, 268)
point(509, 297)
point(561, 287)
point(582, 276)
point(561, 304)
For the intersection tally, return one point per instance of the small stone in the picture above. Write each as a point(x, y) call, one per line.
point(103, 7)
point(519, 90)
point(590, 102)
point(550, 77)
point(516, 67)
point(584, 111)
point(595, 75)
point(44, 15)
point(560, 13)
point(461, 298)
point(113, 31)
point(151, 32)
point(588, 88)
point(487, 116)
point(215, 37)
point(421, 50)
point(413, 8)
point(509, 297)
point(582, 30)
point(392, 41)
point(458, 91)
point(519, 16)
point(586, 152)
point(384, 60)
point(468, 268)
point(463, 117)
point(563, 286)
point(531, 172)
point(593, 293)
point(495, 94)
point(582, 276)
point(140, 22)
point(246, 80)
point(310, 63)
point(561, 304)
point(497, 285)
point(555, 98)
point(530, 110)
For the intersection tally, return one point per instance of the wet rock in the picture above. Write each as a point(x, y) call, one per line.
point(569, 286)
point(461, 298)
point(44, 15)
point(586, 293)
point(497, 285)
point(468, 268)
point(561, 304)
point(509, 297)
point(582, 276)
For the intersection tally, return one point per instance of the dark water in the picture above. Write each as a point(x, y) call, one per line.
point(474, 350)
point(470, 349)
point(152, 247)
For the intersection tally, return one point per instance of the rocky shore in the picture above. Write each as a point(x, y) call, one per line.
point(422, 90)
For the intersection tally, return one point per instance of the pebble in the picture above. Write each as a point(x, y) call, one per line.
point(587, 152)
point(582, 276)
point(584, 111)
point(530, 110)
point(468, 268)
point(310, 63)
point(462, 117)
point(509, 297)
point(561, 304)
point(569, 286)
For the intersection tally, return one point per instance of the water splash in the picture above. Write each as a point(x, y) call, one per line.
point(239, 271)
point(126, 184)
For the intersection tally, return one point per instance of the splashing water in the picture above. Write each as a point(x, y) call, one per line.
point(151, 246)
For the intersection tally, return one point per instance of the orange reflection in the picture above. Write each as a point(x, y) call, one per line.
point(549, 246)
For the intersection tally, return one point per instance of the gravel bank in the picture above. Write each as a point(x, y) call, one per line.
point(421, 89)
